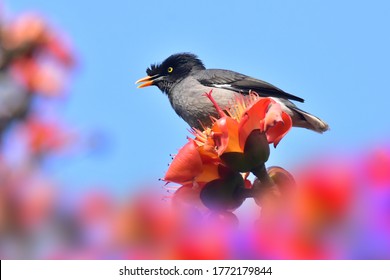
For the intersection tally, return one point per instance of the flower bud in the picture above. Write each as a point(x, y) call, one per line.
point(222, 194)
point(256, 152)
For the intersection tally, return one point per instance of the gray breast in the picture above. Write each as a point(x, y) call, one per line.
point(190, 103)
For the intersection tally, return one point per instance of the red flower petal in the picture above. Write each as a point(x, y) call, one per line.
point(209, 173)
point(186, 165)
point(252, 119)
point(272, 116)
point(226, 135)
point(279, 130)
point(187, 197)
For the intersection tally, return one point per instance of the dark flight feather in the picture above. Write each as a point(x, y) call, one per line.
point(241, 83)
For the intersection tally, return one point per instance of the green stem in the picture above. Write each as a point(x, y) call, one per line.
point(261, 173)
point(243, 193)
point(265, 181)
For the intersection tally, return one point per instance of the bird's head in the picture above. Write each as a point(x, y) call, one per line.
point(170, 71)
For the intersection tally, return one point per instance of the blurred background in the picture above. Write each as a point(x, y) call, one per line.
point(79, 140)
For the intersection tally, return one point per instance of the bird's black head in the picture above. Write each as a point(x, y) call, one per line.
point(171, 70)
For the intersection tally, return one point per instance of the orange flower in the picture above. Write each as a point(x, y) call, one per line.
point(237, 142)
point(242, 135)
point(190, 166)
point(204, 177)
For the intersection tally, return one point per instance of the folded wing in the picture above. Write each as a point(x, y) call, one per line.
point(241, 83)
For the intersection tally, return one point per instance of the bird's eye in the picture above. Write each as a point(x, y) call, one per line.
point(170, 69)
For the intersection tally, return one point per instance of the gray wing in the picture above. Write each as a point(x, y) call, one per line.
point(241, 83)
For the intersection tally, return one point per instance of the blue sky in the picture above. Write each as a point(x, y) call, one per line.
point(334, 54)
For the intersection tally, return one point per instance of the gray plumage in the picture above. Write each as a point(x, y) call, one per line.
point(185, 80)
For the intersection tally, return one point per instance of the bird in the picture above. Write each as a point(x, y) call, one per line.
point(184, 79)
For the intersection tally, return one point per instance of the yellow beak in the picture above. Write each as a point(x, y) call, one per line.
point(147, 81)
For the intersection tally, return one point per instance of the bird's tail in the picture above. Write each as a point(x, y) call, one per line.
point(306, 120)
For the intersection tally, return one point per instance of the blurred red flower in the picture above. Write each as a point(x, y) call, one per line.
point(44, 136)
point(38, 55)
